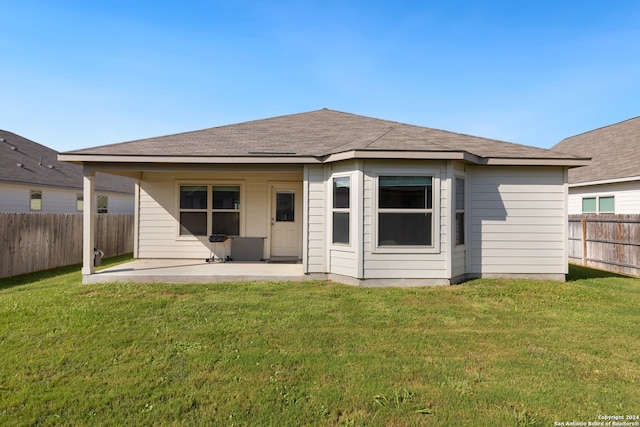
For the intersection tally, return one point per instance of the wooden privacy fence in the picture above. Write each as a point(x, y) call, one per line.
point(607, 242)
point(38, 241)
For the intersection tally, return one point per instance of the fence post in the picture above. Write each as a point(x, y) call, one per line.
point(583, 223)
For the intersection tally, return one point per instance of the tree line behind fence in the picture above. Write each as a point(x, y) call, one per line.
point(39, 241)
point(607, 242)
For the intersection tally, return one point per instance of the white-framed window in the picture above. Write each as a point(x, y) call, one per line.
point(405, 211)
point(225, 214)
point(206, 209)
point(598, 204)
point(79, 202)
point(459, 206)
point(341, 210)
point(35, 200)
point(103, 204)
point(194, 206)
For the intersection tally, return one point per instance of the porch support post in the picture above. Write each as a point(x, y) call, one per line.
point(88, 220)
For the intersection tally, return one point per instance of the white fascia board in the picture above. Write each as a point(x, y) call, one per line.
point(408, 155)
point(606, 181)
point(493, 161)
point(92, 158)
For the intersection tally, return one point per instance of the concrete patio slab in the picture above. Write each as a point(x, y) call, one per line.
point(198, 271)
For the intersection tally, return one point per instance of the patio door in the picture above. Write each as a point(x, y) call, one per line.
point(286, 220)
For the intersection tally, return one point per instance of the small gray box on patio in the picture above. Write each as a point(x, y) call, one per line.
point(247, 248)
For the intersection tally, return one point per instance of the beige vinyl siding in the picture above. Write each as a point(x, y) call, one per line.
point(158, 224)
point(517, 220)
point(459, 252)
point(626, 196)
point(429, 265)
point(316, 228)
point(343, 263)
point(343, 259)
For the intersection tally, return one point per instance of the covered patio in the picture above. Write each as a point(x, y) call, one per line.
point(198, 271)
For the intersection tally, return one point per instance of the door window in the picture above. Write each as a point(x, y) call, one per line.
point(285, 202)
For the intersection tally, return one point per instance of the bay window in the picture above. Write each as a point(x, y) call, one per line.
point(459, 206)
point(341, 209)
point(405, 211)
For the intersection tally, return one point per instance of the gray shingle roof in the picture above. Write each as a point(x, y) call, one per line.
point(614, 151)
point(317, 133)
point(40, 166)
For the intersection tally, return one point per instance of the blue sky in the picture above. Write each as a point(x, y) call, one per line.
point(77, 74)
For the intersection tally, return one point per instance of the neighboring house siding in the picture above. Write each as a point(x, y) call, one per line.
point(518, 220)
point(118, 203)
point(316, 227)
point(15, 198)
point(405, 264)
point(626, 196)
point(158, 229)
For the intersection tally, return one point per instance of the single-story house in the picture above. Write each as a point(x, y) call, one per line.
point(356, 199)
point(610, 184)
point(33, 180)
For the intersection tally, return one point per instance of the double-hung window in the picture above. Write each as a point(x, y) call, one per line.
point(459, 211)
point(225, 215)
point(341, 209)
point(405, 210)
point(209, 209)
point(194, 200)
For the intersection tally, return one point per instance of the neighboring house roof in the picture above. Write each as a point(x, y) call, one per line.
point(318, 136)
point(613, 149)
point(26, 162)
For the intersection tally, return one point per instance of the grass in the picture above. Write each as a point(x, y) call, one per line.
point(487, 352)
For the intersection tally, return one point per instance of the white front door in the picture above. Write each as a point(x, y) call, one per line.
point(286, 220)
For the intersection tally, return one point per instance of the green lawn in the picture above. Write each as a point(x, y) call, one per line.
point(487, 352)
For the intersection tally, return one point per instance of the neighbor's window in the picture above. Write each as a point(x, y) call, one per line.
point(459, 211)
point(209, 207)
point(341, 206)
point(103, 204)
point(226, 210)
point(604, 204)
point(405, 211)
point(35, 203)
point(79, 202)
point(588, 205)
